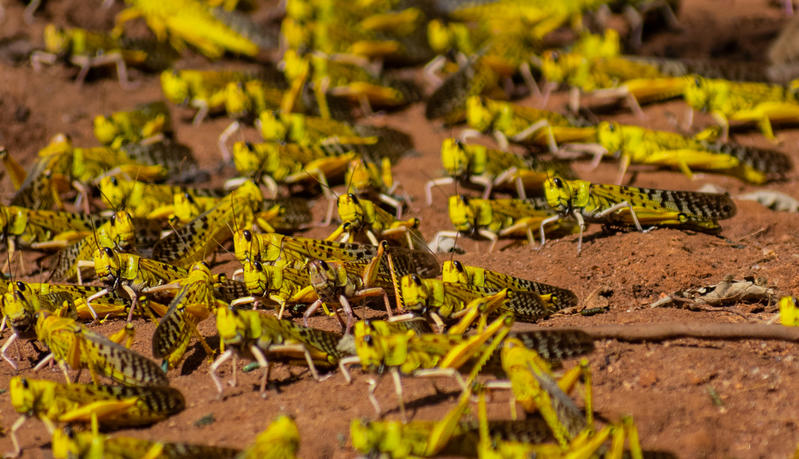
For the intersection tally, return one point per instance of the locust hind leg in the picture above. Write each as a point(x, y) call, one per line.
point(223, 139)
point(374, 292)
point(345, 304)
point(13, 434)
point(215, 366)
point(10, 340)
point(395, 375)
point(428, 188)
point(134, 301)
point(265, 367)
point(371, 395)
point(299, 348)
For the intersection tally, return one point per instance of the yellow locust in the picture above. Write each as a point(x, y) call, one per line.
point(498, 218)
point(264, 337)
point(193, 303)
point(638, 145)
point(626, 206)
point(111, 406)
point(73, 345)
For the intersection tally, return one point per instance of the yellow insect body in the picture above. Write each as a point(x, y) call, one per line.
point(743, 102)
point(77, 347)
point(497, 218)
point(296, 251)
point(112, 406)
point(526, 125)
point(262, 336)
point(445, 301)
point(190, 21)
point(143, 122)
point(361, 217)
point(638, 145)
point(94, 445)
point(630, 206)
point(192, 304)
point(200, 237)
point(455, 271)
point(285, 285)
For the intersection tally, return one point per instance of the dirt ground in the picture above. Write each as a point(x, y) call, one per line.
point(691, 397)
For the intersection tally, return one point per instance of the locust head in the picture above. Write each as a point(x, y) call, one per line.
point(551, 67)
point(175, 87)
point(610, 136)
point(23, 394)
point(237, 102)
point(350, 210)
point(115, 192)
point(121, 232)
point(244, 248)
point(185, 207)
point(439, 36)
point(462, 214)
point(360, 176)
point(256, 278)
point(107, 265)
point(246, 158)
point(369, 347)
point(414, 292)
point(698, 93)
point(323, 274)
point(56, 39)
point(105, 130)
point(228, 325)
point(19, 306)
point(281, 436)
point(455, 158)
point(478, 115)
point(68, 443)
point(559, 194)
point(272, 126)
point(453, 271)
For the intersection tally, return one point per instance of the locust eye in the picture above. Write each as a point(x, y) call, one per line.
point(465, 199)
point(113, 219)
point(20, 286)
point(416, 279)
point(258, 266)
point(205, 264)
point(189, 197)
point(555, 56)
point(368, 340)
point(248, 235)
point(249, 146)
point(323, 264)
point(354, 198)
point(24, 383)
point(697, 82)
point(558, 182)
point(108, 251)
point(612, 127)
point(458, 265)
point(114, 181)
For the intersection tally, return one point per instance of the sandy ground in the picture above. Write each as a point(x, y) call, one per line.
point(668, 387)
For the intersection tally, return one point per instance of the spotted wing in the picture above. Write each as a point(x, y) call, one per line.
point(696, 206)
point(119, 363)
